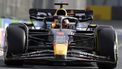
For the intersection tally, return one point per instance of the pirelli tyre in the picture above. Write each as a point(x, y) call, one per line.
point(15, 42)
point(107, 45)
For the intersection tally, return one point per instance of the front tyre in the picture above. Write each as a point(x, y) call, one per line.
point(106, 44)
point(15, 40)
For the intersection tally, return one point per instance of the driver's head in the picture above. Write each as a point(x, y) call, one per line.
point(65, 23)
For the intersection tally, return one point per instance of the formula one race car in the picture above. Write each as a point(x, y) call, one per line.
point(59, 41)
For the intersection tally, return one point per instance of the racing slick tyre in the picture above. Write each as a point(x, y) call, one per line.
point(107, 43)
point(15, 42)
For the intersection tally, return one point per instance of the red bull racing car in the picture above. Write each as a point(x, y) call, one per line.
point(60, 40)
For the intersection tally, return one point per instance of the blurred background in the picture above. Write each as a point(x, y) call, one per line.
point(103, 9)
point(15, 11)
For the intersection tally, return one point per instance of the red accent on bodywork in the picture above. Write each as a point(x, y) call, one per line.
point(60, 33)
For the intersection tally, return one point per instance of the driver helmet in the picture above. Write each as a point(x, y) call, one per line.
point(65, 23)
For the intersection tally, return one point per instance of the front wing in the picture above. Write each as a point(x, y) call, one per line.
point(73, 57)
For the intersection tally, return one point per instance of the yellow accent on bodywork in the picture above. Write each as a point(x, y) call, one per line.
point(93, 25)
point(60, 9)
point(60, 49)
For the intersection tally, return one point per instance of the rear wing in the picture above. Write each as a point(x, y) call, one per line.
point(40, 14)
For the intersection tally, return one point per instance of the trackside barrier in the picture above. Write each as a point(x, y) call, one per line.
point(116, 13)
point(102, 12)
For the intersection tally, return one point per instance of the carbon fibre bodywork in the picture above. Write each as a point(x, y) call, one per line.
point(60, 40)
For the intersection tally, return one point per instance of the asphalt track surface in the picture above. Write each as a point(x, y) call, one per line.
point(116, 24)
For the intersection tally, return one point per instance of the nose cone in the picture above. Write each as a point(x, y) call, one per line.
point(60, 50)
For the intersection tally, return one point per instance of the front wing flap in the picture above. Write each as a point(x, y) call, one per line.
point(47, 55)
